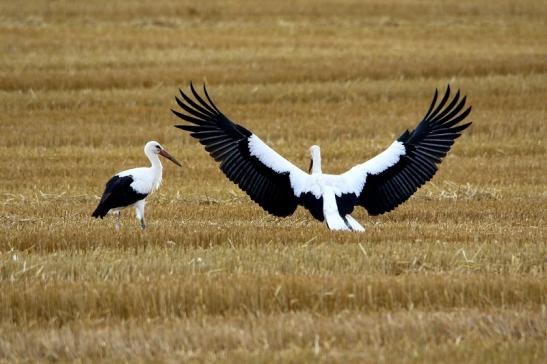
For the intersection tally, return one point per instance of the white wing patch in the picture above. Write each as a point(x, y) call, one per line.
point(354, 180)
point(386, 159)
point(300, 181)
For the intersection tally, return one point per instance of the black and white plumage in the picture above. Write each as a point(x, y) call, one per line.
point(278, 186)
point(131, 187)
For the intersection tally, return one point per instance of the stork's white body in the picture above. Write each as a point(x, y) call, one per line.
point(146, 180)
point(327, 186)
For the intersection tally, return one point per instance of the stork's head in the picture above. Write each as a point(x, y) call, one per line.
point(315, 159)
point(152, 148)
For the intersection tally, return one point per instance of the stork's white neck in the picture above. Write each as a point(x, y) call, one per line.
point(154, 161)
point(156, 168)
point(316, 160)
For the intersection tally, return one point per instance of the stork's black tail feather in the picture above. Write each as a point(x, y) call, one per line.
point(100, 211)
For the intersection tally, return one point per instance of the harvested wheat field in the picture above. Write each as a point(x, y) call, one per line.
point(456, 274)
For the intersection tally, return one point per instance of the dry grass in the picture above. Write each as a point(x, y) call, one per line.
point(457, 274)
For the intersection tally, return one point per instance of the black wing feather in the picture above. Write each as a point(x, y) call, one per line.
point(228, 143)
point(425, 147)
point(117, 193)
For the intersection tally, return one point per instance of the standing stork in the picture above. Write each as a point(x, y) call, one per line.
point(278, 186)
point(131, 187)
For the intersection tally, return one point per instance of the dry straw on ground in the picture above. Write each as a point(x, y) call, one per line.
point(457, 274)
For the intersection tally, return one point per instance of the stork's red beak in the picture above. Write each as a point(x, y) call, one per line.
point(164, 153)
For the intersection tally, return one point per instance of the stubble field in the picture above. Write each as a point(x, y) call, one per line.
point(456, 274)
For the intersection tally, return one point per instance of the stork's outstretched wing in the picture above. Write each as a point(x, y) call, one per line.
point(269, 179)
point(390, 178)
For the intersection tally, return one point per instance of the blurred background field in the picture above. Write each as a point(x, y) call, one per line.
point(457, 274)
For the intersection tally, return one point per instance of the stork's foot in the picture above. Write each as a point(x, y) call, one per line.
point(117, 223)
point(143, 225)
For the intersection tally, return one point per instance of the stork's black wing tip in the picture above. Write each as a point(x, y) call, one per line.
point(184, 127)
point(464, 126)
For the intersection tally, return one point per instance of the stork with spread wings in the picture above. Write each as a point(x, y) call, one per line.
point(278, 186)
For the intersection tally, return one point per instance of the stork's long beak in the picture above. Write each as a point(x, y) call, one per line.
point(311, 165)
point(164, 153)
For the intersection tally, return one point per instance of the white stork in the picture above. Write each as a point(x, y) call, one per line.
point(131, 187)
point(278, 186)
